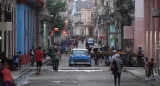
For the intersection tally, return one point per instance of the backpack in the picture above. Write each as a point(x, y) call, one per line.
point(114, 67)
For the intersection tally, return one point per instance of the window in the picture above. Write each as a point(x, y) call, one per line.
point(80, 52)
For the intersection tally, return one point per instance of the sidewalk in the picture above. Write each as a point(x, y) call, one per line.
point(139, 72)
point(26, 68)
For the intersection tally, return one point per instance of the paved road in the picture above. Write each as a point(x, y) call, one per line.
point(78, 76)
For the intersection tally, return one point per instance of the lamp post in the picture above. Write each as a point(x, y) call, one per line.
point(105, 17)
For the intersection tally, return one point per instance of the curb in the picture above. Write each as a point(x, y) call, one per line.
point(29, 70)
point(132, 74)
point(139, 77)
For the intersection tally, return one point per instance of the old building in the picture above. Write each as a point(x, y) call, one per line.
point(29, 32)
point(151, 31)
point(8, 27)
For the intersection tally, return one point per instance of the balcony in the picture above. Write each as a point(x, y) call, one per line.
point(5, 26)
point(45, 14)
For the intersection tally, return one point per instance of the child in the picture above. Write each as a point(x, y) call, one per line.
point(7, 77)
point(146, 66)
point(151, 65)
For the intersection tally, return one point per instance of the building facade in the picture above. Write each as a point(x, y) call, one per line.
point(8, 27)
point(86, 19)
point(29, 32)
point(151, 31)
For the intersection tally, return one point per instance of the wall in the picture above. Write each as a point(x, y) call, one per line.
point(25, 26)
point(139, 25)
point(152, 34)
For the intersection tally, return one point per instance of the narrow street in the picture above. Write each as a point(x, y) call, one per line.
point(107, 34)
point(78, 76)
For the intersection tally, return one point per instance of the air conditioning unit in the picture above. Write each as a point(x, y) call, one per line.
point(155, 12)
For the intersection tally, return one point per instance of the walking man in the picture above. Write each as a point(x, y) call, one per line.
point(20, 59)
point(117, 64)
point(39, 55)
point(52, 55)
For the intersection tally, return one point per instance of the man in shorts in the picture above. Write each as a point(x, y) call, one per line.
point(39, 55)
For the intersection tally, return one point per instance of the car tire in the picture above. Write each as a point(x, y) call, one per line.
point(89, 65)
point(70, 65)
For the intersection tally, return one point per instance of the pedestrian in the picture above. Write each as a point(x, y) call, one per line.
point(140, 55)
point(66, 51)
point(53, 60)
point(59, 49)
point(76, 44)
point(39, 55)
point(44, 54)
point(1, 75)
point(69, 50)
point(151, 66)
point(32, 55)
point(146, 67)
point(20, 59)
point(3, 57)
point(116, 67)
point(7, 77)
point(16, 61)
point(128, 49)
point(57, 59)
point(97, 56)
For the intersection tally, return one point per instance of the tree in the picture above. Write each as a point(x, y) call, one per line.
point(56, 7)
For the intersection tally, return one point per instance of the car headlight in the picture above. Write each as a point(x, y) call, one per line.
point(71, 57)
point(89, 57)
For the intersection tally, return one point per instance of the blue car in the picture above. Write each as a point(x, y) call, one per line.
point(79, 57)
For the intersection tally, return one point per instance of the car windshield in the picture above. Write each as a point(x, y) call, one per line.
point(80, 52)
point(90, 40)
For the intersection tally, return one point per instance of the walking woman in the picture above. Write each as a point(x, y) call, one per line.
point(146, 67)
point(57, 59)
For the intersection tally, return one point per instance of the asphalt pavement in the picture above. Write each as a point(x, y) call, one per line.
point(80, 75)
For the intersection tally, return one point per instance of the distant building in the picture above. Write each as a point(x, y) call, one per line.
point(82, 20)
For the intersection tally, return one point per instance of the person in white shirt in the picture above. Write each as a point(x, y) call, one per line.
point(119, 68)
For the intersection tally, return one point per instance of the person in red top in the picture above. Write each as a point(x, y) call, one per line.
point(7, 77)
point(151, 66)
point(39, 55)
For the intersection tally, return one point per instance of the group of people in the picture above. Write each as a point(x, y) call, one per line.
point(149, 68)
point(16, 63)
point(55, 54)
